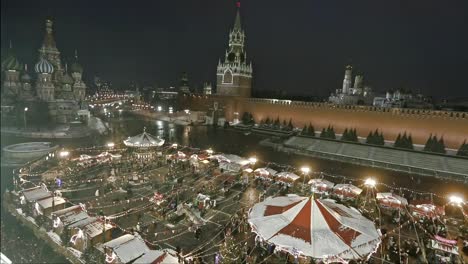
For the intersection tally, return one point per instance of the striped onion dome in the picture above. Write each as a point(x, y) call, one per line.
point(11, 63)
point(67, 79)
point(43, 66)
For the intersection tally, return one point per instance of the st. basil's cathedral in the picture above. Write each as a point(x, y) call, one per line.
point(60, 88)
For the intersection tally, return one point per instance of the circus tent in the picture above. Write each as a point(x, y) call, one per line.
point(321, 229)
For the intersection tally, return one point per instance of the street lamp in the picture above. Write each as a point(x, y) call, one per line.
point(457, 200)
point(110, 144)
point(253, 160)
point(369, 182)
point(209, 151)
point(24, 117)
point(305, 170)
point(64, 154)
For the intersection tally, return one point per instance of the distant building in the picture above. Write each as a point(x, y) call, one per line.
point(359, 94)
point(63, 91)
point(207, 89)
point(402, 98)
point(184, 84)
point(234, 74)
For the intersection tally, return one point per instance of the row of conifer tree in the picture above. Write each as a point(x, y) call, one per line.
point(405, 141)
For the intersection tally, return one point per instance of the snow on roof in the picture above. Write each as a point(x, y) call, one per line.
point(143, 140)
point(391, 198)
point(347, 188)
point(96, 228)
point(265, 171)
point(166, 256)
point(47, 202)
point(128, 247)
point(287, 175)
point(73, 217)
point(83, 222)
point(35, 194)
point(68, 211)
point(316, 228)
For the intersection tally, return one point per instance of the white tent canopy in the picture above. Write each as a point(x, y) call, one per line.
point(287, 175)
point(143, 140)
point(391, 200)
point(320, 185)
point(321, 229)
point(347, 190)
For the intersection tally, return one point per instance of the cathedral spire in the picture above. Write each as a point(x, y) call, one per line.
point(237, 23)
point(49, 41)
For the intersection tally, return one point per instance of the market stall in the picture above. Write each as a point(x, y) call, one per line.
point(346, 191)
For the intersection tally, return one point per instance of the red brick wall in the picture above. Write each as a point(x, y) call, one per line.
point(391, 121)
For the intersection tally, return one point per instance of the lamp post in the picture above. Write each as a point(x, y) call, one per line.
point(305, 171)
point(24, 117)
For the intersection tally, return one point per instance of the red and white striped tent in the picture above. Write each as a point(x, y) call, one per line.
point(391, 200)
point(321, 185)
point(346, 191)
point(321, 229)
point(421, 208)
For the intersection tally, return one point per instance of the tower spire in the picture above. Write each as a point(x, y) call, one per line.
point(11, 44)
point(76, 54)
point(237, 22)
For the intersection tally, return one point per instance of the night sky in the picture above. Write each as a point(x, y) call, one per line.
point(299, 46)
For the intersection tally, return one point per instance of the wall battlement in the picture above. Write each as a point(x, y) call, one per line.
point(420, 124)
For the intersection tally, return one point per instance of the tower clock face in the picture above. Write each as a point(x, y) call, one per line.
point(231, 57)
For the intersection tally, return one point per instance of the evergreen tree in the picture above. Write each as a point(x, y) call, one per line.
point(397, 143)
point(290, 125)
point(429, 144)
point(268, 121)
point(246, 118)
point(331, 133)
point(277, 123)
point(355, 137)
point(345, 135)
point(370, 137)
point(304, 130)
point(381, 139)
point(463, 150)
point(230, 251)
point(311, 130)
point(441, 146)
point(323, 134)
point(410, 142)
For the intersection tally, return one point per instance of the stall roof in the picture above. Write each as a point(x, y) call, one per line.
point(128, 247)
point(47, 202)
point(35, 194)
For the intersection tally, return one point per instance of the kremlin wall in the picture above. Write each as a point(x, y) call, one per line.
point(452, 126)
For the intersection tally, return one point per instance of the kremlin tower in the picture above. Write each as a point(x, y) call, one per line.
point(234, 74)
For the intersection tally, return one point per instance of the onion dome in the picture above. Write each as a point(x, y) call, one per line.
point(67, 79)
point(11, 63)
point(25, 77)
point(76, 67)
point(43, 66)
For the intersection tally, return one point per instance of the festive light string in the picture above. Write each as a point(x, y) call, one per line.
point(268, 164)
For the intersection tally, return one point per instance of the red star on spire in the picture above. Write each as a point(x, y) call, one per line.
point(238, 4)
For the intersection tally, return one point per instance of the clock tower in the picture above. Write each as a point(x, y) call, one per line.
point(234, 74)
